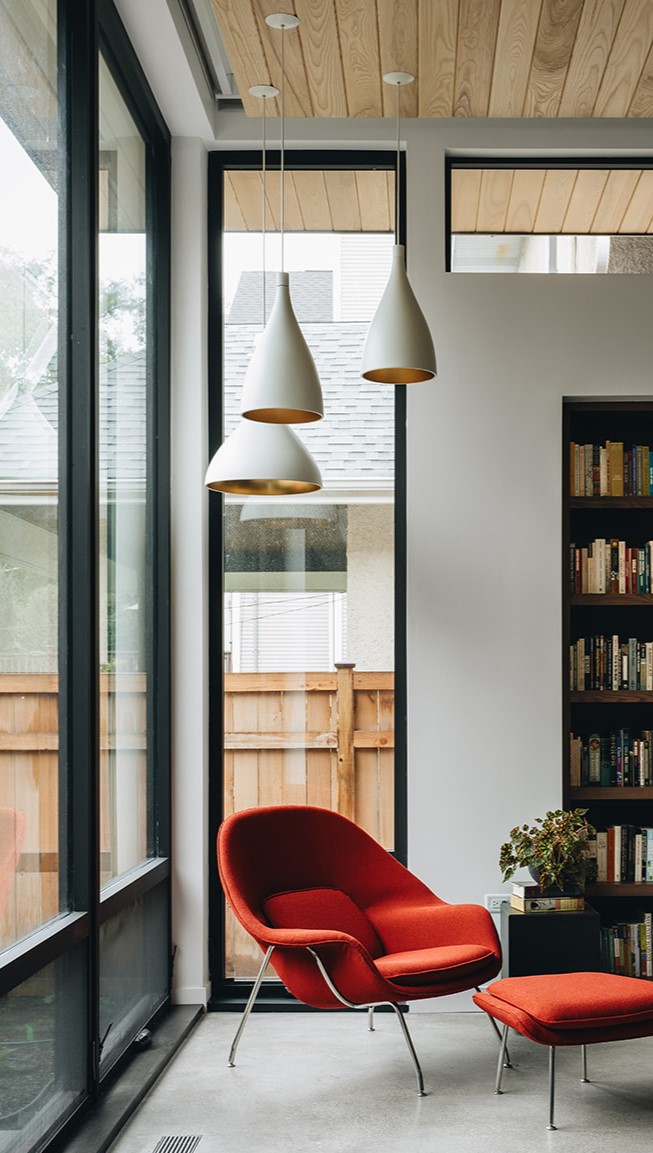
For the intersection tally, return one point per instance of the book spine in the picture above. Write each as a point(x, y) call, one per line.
point(547, 904)
point(601, 855)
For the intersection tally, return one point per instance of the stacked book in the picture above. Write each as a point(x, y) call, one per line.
point(627, 947)
point(624, 853)
point(611, 759)
point(609, 565)
point(612, 468)
point(611, 663)
point(530, 898)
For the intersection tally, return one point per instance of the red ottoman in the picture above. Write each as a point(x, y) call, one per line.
point(569, 1009)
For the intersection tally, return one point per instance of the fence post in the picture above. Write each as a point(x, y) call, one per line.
point(345, 734)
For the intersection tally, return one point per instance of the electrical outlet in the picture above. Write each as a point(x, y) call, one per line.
point(494, 901)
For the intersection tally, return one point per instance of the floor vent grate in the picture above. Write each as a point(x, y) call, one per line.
point(177, 1144)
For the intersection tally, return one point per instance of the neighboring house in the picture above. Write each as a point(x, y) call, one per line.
point(28, 507)
point(309, 581)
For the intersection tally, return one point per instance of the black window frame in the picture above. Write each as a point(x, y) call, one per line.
point(83, 32)
point(478, 160)
point(230, 994)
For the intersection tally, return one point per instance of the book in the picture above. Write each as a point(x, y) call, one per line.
point(547, 904)
point(526, 889)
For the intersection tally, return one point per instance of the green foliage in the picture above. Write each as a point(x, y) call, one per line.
point(557, 845)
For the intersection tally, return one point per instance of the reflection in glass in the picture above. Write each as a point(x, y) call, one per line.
point(123, 453)
point(29, 764)
point(133, 971)
point(43, 1052)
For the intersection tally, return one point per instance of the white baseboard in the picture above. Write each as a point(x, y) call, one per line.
point(191, 995)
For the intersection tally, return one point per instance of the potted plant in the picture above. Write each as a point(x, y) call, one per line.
point(555, 849)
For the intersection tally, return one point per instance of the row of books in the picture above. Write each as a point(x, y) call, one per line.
point(608, 662)
point(611, 760)
point(607, 565)
point(627, 948)
point(624, 854)
point(610, 469)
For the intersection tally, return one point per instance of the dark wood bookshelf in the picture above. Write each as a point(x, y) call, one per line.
point(586, 519)
point(613, 793)
point(611, 696)
point(618, 889)
point(611, 502)
point(591, 600)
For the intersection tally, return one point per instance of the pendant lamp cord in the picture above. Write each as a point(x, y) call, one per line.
point(282, 168)
point(397, 179)
point(264, 208)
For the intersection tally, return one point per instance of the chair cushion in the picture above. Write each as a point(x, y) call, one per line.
point(322, 909)
point(429, 966)
point(578, 1000)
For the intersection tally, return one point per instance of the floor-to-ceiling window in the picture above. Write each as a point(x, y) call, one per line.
point(308, 649)
point(84, 777)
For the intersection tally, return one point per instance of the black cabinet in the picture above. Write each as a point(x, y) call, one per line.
point(552, 942)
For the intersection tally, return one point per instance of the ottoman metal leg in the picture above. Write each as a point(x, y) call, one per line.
point(583, 1061)
point(502, 1057)
point(552, 1085)
point(507, 1061)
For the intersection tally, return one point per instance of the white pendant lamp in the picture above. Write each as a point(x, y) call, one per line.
point(263, 459)
point(282, 385)
point(399, 346)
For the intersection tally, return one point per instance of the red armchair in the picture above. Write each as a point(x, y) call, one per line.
point(341, 920)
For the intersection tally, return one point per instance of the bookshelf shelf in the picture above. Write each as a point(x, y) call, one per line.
point(611, 697)
point(611, 502)
point(623, 600)
point(608, 645)
point(621, 889)
point(614, 794)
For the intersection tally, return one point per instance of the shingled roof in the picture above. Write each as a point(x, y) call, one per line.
point(355, 440)
point(354, 443)
point(28, 427)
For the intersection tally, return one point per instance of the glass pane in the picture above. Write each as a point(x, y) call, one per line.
point(42, 1052)
point(133, 971)
point(558, 219)
point(309, 581)
point(123, 460)
point(29, 764)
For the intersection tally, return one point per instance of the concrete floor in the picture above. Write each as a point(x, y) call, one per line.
point(322, 1081)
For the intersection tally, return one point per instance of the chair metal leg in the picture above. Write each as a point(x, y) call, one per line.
point(370, 1018)
point(552, 1085)
point(508, 1062)
point(353, 1005)
point(583, 1063)
point(411, 1049)
point(502, 1055)
point(248, 1007)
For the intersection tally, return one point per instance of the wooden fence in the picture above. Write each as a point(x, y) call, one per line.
point(29, 780)
point(290, 738)
point(308, 738)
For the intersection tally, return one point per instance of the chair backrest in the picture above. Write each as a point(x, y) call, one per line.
point(12, 835)
point(287, 848)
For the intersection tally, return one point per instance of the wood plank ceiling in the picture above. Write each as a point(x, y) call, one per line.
point(471, 58)
point(315, 201)
point(571, 201)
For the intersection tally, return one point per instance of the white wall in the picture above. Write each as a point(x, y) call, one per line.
point(190, 851)
point(484, 506)
point(484, 520)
